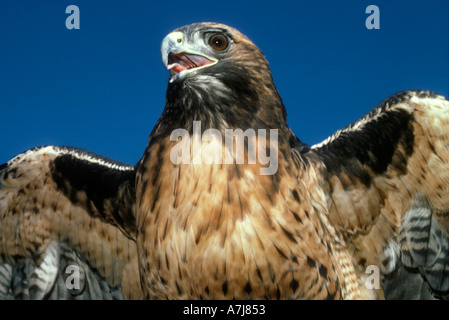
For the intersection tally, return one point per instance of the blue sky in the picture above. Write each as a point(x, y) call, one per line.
point(102, 87)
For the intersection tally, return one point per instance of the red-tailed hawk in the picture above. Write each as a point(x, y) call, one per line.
point(206, 215)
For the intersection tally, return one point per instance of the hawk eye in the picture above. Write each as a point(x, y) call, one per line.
point(218, 42)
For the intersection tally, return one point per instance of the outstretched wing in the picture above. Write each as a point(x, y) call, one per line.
point(67, 226)
point(387, 181)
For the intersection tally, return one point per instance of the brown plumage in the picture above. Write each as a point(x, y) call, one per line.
point(373, 194)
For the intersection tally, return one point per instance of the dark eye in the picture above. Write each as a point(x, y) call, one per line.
point(218, 42)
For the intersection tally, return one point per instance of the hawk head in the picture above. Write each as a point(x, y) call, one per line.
point(192, 50)
point(217, 75)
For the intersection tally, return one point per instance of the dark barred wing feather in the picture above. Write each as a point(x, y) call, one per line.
point(67, 227)
point(387, 180)
point(422, 270)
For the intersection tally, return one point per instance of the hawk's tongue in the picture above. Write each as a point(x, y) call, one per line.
point(176, 67)
point(185, 61)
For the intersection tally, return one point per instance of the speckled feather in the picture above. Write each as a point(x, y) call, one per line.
point(38, 208)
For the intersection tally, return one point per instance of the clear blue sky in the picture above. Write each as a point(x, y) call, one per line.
point(102, 87)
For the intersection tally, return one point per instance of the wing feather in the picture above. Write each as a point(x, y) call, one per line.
point(378, 171)
point(61, 207)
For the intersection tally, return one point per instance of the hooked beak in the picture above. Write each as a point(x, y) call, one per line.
point(180, 60)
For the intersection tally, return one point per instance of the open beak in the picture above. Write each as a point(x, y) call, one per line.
point(180, 60)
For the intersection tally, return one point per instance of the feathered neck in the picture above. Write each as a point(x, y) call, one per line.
point(235, 99)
